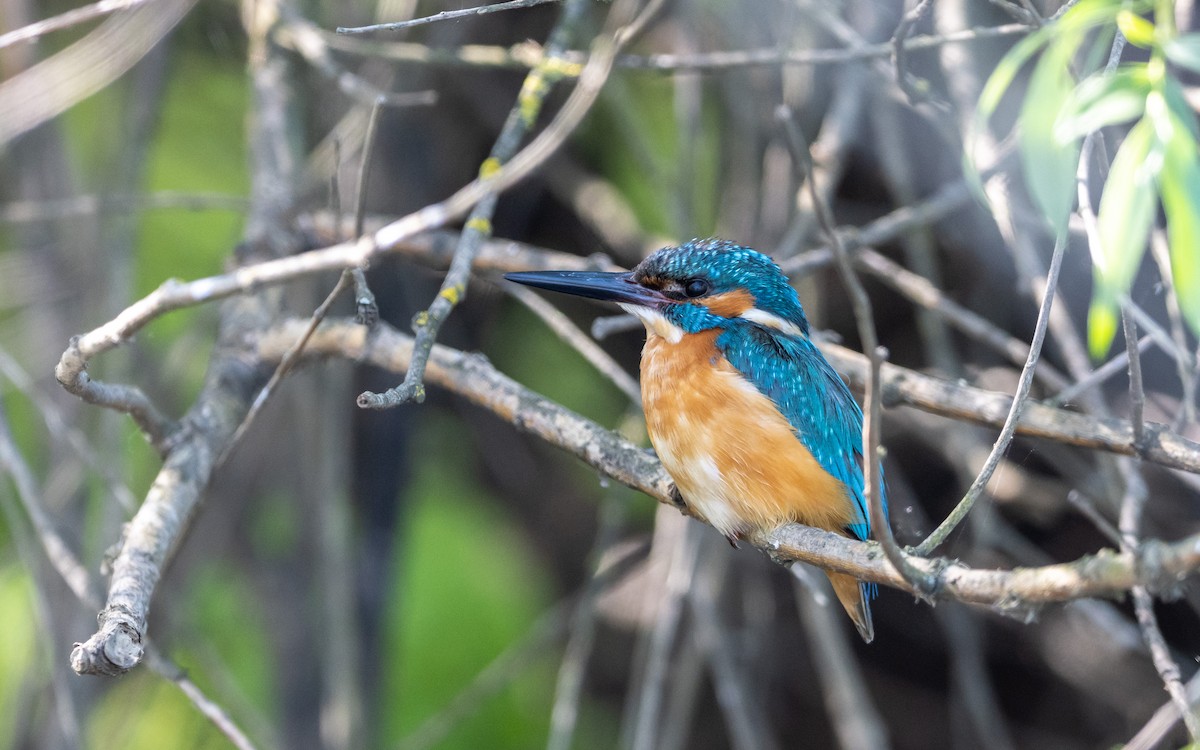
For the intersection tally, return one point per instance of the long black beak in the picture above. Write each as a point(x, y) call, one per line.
point(606, 286)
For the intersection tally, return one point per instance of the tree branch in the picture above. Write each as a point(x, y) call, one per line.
point(1156, 565)
point(230, 384)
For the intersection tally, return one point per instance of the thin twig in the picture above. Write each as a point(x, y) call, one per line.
point(921, 291)
point(548, 629)
point(1163, 721)
point(367, 310)
point(1132, 507)
point(665, 602)
point(84, 585)
point(303, 36)
point(900, 51)
point(852, 711)
point(209, 709)
point(1130, 523)
point(564, 715)
point(521, 118)
point(21, 212)
point(872, 402)
point(65, 20)
point(1137, 395)
point(500, 169)
point(1161, 338)
point(523, 55)
point(577, 340)
point(1118, 363)
point(1000, 447)
point(446, 15)
point(284, 367)
point(1189, 378)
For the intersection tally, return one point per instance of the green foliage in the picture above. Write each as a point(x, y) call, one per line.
point(145, 712)
point(18, 648)
point(467, 589)
point(228, 616)
point(634, 141)
point(199, 146)
point(1156, 162)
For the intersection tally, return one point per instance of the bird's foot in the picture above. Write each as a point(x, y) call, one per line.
point(678, 501)
point(733, 539)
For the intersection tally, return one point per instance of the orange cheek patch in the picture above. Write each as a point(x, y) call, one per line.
point(729, 304)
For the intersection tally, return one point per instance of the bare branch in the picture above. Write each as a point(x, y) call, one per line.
point(87, 589)
point(446, 15)
point(903, 386)
point(90, 205)
point(900, 51)
point(921, 291)
point(232, 378)
point(1156, 565)
point(526, 55)
point(855, 717)
point(65, 20)
point(1009, 429)
point(209, 709)
point(521, 118)
point(303, 36)
point(499, 167)
point(49, 88)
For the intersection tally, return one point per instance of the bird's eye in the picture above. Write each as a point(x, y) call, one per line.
point(696, 288)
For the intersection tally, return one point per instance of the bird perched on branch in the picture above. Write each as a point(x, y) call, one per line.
point(747, 416)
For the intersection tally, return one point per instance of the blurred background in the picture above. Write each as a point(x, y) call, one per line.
point(430, 576)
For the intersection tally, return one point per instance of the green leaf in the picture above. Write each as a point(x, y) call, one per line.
point(994, 89)
point(1006, 70)
point(1180, 185)
point(1184, 51)
point(1103, 100)
point(1177, 104)
point(1136, 29)
point(1102, 325)
point(1049, 164)
point(1066, 32)
point(1124, 219)
point(1088, 13)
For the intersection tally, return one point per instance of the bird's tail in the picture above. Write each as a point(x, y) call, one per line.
point(852, 593)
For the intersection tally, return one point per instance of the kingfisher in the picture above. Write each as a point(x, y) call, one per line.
point(747, 416)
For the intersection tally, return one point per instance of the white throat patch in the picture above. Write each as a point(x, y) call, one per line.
point(655, 322)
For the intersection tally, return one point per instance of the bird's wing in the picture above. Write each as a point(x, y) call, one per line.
point(816, 402)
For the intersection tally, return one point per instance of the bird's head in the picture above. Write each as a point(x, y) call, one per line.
point(697, 286)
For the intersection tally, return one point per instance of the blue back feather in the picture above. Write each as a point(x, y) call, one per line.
point(806, 390)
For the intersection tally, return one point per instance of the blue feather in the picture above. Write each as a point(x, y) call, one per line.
point(816, 402)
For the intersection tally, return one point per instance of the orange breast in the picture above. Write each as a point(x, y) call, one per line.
point(733, 456)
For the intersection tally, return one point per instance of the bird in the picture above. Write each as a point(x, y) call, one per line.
point(752, 423)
